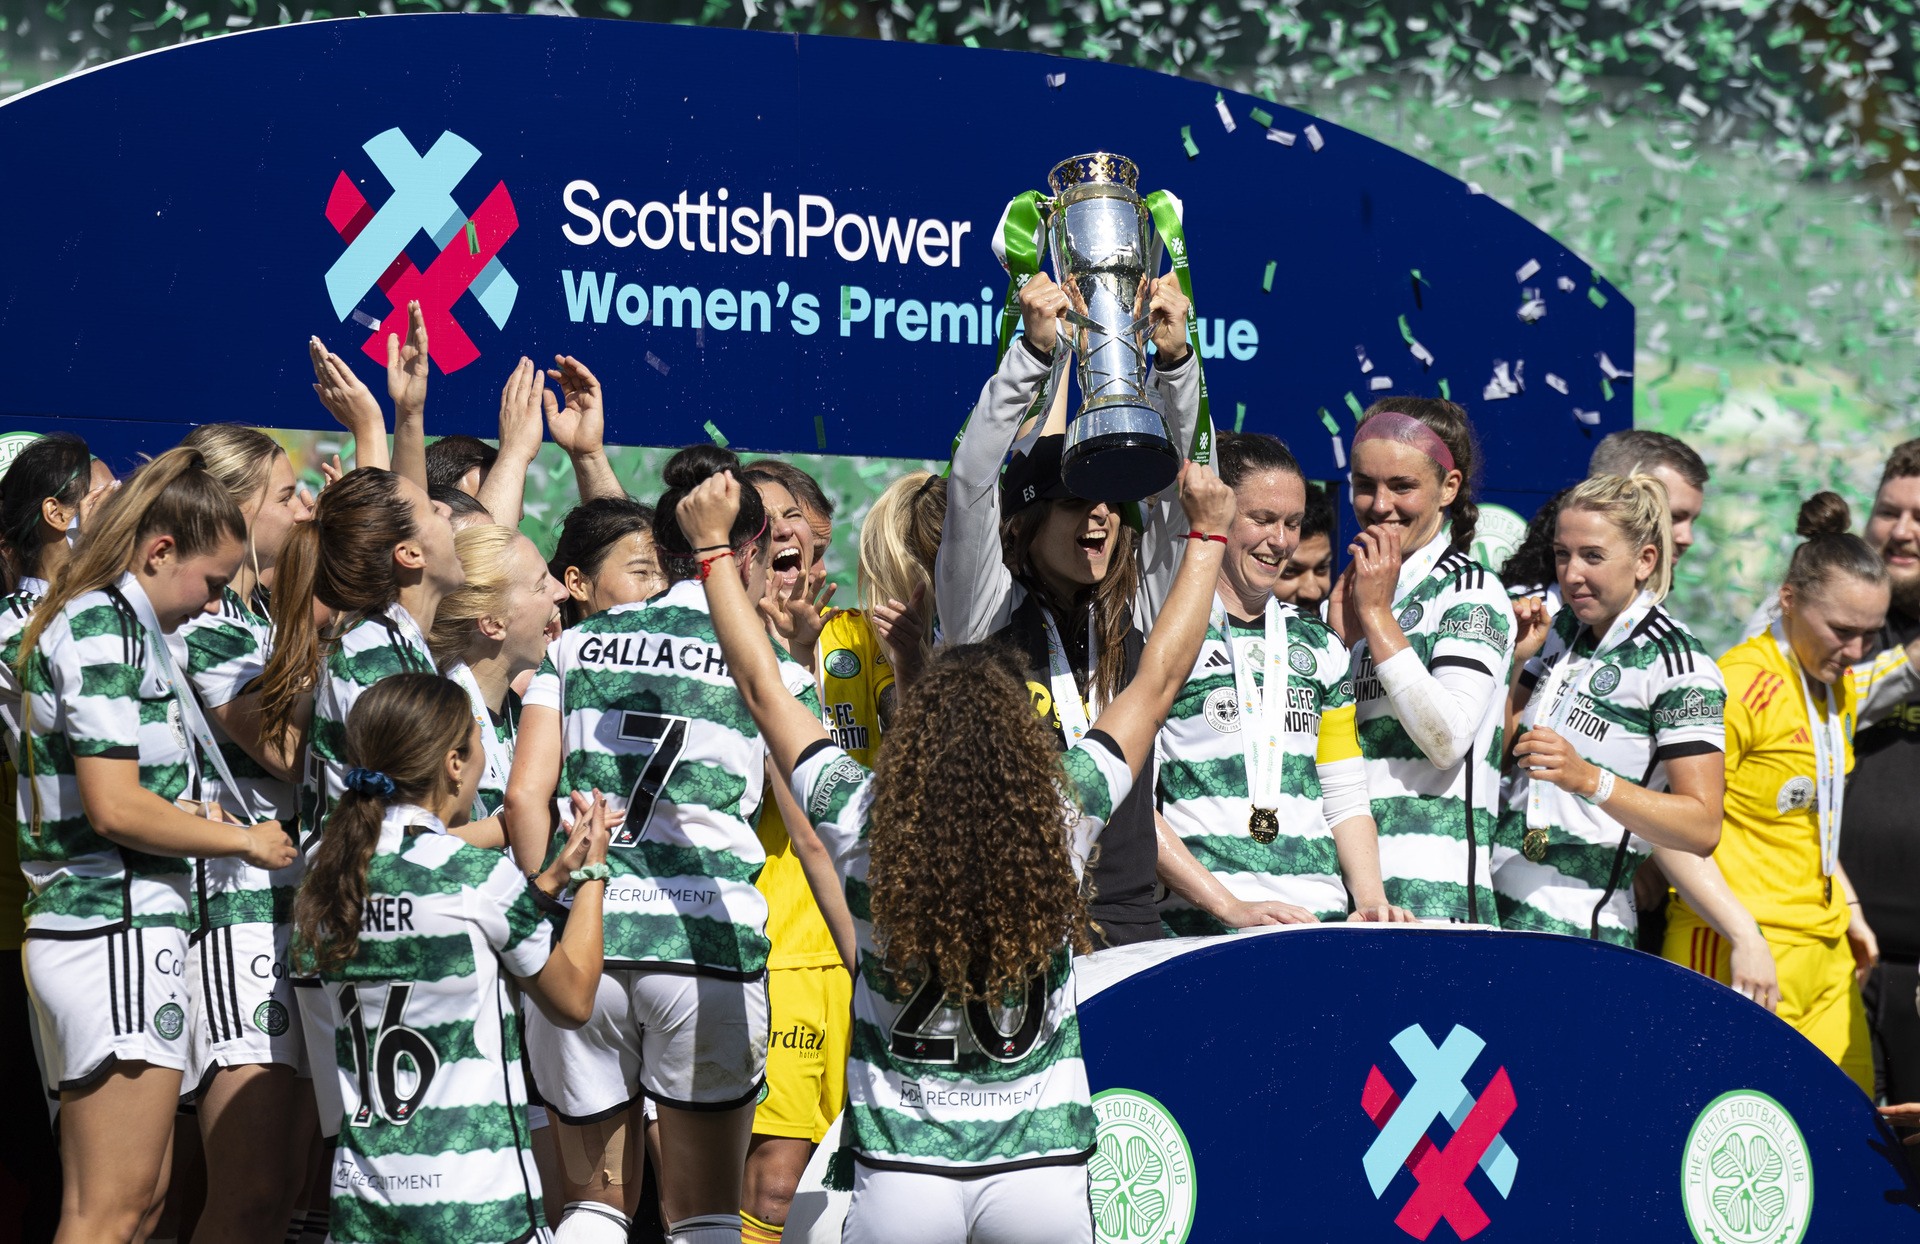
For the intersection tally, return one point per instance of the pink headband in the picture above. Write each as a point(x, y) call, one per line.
point(1391, 425)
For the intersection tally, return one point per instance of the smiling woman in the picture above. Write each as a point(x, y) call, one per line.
point(1432, 638)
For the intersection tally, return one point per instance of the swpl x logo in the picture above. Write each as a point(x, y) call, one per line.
point(1439, 1093)
point(422, 202)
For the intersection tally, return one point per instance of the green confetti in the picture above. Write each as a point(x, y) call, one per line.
point(1353, 404)
point(1606, 388)
point(1186, 140)
point(473, 239)
point(1406, 333)
point(619, 8)
point(1261, 117)
point(1415, 273)
point(1333, 425)
point(1239, 415)
point(820, 433)
point(1595, 297)
point(1266, 282)
point(716, 435)
point(1446, 391)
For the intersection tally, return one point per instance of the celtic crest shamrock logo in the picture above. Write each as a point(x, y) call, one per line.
point(1141, 1174)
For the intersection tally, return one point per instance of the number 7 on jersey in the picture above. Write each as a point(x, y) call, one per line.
point(659, 739)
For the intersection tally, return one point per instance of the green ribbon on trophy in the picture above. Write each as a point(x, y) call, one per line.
point(1020, 252)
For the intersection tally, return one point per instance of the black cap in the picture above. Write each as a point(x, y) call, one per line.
point(1033, 476)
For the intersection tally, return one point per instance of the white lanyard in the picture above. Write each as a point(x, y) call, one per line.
point(185, 696)
point(403, 622)
point(499, 751)
point(1262, 708)
point(1066, 692)
point(1829, 756)
point(1557, 698)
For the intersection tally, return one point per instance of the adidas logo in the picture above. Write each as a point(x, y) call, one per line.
point(1217, 660)
point(1800, 736)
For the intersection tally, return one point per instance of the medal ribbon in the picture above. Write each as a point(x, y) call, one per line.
point(499, 757)
point(1829, 756)
point(1556, 699)
point(160, 650)
point(1166, 219)
point(1262, 708)
point(1072, 710)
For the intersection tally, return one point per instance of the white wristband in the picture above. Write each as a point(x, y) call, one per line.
point(1602, 790)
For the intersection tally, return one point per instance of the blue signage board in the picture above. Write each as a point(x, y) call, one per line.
point(786, 237)
point(1352, 1083)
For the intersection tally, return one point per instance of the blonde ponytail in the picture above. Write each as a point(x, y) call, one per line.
point(485, 554)
point(1637, 507)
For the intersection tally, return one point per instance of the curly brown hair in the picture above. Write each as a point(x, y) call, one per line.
point(970, 877)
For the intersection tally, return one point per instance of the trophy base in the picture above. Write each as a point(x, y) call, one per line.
point(1118, 454)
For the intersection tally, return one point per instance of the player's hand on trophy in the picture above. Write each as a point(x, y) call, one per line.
point(1168, 307)
point(1042, 303)
point(1271, 911)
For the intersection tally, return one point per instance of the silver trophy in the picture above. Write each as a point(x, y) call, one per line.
point(1105, 252)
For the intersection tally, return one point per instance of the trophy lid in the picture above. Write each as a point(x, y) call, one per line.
point(1094, 168)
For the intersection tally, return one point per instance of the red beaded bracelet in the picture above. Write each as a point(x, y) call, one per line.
point(1201, 535)
point(706, 563)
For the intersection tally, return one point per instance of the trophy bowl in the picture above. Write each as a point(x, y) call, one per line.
point(1104, 249)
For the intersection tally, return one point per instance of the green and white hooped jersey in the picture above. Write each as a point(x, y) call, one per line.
point(969, 1088)
point(1653, 698)
point(96, 689)
point(16, 610)
point(434, 1142)
point(221, 655)
point(1455, 614)
point(1202, 787)
point(650, 717)
point(380, 644)
point(497, 734)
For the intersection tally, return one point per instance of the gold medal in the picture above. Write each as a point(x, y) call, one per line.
point(1534, 845)
point(1264, 824)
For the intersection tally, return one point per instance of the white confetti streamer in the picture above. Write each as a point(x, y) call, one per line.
point(1313, 137)
point(1226, 118)
point(1282, 137)
point(1556, 384)
point(1527, 270)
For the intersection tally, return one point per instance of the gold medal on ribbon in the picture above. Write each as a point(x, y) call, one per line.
point(1533, 845)
point(1264, 824)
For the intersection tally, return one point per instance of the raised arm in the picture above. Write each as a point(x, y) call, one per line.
point(1176, 376)
point(580, 427)
point(504, 491)
point(407, 367)
point(1172, 647)
point(706, 515)
point(973, 590)
point(352, 405)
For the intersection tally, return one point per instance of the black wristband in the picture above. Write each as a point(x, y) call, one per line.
point(711, 547)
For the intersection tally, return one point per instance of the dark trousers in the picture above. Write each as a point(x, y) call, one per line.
point(1894, 1019)
point(28, 1156)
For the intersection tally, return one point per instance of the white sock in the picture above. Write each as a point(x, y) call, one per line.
point(705, 1229)
point(591, 1222)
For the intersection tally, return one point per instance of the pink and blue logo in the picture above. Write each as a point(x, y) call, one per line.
point(1439, 1093)
point(422, 202)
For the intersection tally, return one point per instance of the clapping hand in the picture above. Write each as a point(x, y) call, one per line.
point(407, 366)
